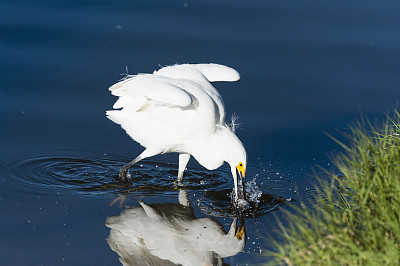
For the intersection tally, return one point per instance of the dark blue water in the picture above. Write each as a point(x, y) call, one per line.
point(307, 68)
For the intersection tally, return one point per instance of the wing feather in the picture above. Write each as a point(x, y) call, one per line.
point(157, 88)
point(211, 72)
point(216, 72)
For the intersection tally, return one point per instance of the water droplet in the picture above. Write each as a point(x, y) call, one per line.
point(253, 192)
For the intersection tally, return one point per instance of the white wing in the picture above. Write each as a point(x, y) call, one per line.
point(170, 105)
point(152, 87)
point(204, 73)
point(211, 72)
point(215, 72)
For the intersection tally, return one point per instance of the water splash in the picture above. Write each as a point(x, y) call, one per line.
point(222, 204)
point(252, 197)
point(253, 192)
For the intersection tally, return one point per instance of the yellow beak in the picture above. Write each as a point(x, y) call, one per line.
point(241, 170)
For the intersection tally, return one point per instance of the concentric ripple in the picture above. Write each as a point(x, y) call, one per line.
point(91, 171)
point(41, 172)
point(86, 170)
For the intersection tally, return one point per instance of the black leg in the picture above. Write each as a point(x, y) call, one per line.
point(124, 172)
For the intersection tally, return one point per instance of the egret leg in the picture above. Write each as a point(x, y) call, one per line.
point(183, 161)
point(124, 172)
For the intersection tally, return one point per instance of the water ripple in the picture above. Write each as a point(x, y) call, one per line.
point(87, 170)
point(91, 171)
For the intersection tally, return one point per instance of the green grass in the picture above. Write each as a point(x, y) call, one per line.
point(356, 219)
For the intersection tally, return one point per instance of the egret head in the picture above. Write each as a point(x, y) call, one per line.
point(235, 156)
point(223, 146)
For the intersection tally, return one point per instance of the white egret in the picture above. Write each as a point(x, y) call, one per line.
point(176, 109)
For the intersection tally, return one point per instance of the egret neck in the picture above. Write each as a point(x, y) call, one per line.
point(219, 147)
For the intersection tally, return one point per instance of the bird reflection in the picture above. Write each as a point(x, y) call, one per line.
point(170, 234)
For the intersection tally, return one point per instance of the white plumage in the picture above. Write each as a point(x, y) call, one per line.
point(176, 109)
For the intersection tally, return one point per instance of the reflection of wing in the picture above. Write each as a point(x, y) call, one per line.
point(170, 233)
point(132, 254)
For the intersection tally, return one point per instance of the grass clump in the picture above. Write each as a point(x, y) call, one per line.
point(356, 220)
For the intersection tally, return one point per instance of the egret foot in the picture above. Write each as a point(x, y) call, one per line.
point(178, 184)
point(124, 174)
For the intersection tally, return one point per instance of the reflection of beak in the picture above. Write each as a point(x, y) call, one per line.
point(240, 230)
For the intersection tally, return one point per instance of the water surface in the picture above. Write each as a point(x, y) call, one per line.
point(307, 67)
